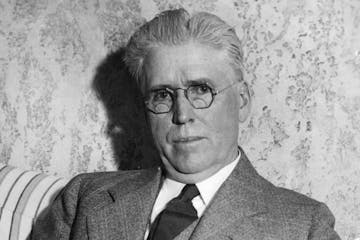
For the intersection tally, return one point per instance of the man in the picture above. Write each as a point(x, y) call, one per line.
point(189, 71)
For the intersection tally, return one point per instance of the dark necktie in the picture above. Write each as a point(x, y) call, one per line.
point(178, 215)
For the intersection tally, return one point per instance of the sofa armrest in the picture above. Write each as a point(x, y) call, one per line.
point(24, 195)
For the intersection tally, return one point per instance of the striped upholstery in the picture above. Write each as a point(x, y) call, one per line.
point(23, 196)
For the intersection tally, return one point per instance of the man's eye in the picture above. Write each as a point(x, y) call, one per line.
point(161, 95)
point(200, 89)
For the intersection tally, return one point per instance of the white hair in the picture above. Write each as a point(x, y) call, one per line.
point(176, 27)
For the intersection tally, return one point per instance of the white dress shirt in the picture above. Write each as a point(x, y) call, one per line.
point(207, 188)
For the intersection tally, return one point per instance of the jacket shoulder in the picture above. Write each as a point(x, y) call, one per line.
point(296, 208)
point(292, 197)
point(90, 183)
point(82, 194)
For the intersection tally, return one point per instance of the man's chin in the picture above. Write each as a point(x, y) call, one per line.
point(183, 157)
point(187, 150)
point(192, 164)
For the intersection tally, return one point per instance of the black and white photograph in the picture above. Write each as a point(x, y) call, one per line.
point(179, 120)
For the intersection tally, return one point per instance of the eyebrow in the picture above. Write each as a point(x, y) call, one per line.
point(161, 86)
point(199, 81)
point(187, 83)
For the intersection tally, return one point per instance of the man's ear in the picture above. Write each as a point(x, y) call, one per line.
point(245, 101)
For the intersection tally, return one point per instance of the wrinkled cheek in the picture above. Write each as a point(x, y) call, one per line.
point(159, 132)
point(225, 129)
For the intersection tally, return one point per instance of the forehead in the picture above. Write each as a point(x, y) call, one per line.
point(178, 65)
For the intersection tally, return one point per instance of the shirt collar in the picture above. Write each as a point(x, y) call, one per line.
point(207, 187)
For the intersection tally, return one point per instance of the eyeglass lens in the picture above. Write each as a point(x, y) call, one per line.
point(161, 101)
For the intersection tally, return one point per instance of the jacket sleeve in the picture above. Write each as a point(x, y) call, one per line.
point(56, 221)
point(322, 227)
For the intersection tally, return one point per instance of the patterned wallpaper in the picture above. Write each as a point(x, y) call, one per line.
point(61, 113)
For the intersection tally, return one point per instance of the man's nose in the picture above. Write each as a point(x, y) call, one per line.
point(183, 111)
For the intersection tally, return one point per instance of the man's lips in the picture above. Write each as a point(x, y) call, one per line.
point(187, 139)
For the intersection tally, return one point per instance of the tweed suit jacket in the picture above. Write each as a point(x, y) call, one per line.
point(117, 205)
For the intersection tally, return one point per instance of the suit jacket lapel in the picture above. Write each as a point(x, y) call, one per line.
point(240, 198)
point(127, 208)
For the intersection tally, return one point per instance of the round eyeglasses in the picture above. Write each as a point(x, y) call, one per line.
point(200, 96)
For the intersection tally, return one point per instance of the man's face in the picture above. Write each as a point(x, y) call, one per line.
point(194, 143)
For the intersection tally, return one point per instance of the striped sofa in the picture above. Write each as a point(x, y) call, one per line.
point(23, 196)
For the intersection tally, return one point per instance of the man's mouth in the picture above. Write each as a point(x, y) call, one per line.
point(187, 139)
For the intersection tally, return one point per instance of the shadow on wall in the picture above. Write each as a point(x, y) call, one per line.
point(132, 143)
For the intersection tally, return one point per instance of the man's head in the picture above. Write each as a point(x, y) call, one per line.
point(189, 70)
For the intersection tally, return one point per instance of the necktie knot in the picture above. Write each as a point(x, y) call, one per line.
point(177, 216)
point(189, 192)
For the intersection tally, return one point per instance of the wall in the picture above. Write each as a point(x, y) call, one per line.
point(302, 61)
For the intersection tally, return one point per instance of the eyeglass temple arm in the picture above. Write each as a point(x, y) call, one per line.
point(221, 90)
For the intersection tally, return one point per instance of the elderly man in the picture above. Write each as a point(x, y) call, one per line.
point(189, 71)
